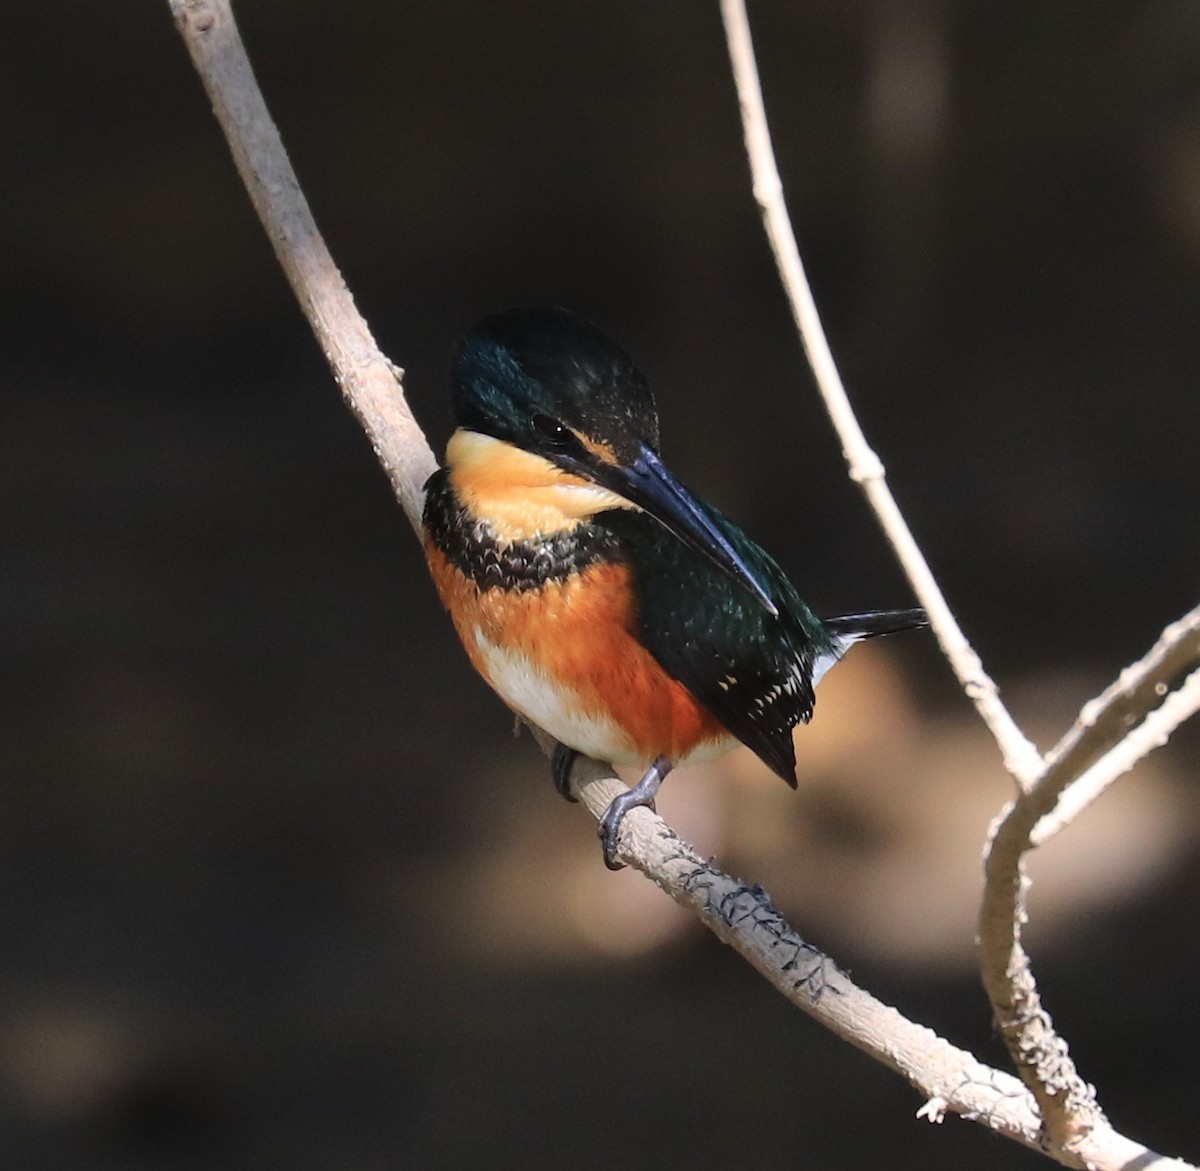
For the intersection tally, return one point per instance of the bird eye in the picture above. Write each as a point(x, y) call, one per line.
point(551, 429)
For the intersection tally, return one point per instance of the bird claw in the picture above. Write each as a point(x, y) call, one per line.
point(643, 793)
point(561, 763)
point(609, 830)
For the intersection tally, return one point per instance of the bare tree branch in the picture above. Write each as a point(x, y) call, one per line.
point(1067, 1102)
point(1076, 766)
point(1021, 758)
point(1152, 733)
point(742, 916)
point(370, 383)
point(1097, 749)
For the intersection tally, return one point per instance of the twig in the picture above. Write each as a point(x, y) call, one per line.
point(1021, 758)
point(744, 917)
point(1075, 765)
point(370, 383)
point(1152, 733)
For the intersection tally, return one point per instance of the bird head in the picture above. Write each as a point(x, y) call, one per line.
point(553, 386)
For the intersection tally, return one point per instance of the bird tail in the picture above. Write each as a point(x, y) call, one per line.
point(849, 628)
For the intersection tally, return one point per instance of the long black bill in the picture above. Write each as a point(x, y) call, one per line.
point(648, 484)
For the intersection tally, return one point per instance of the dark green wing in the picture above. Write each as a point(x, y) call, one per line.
point(751, 670)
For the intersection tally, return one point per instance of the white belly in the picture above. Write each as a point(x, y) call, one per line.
point(553, 708)
point(558, 711)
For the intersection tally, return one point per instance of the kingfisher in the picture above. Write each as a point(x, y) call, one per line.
point(601, 599)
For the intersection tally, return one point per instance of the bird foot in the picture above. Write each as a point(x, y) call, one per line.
point(643, 793)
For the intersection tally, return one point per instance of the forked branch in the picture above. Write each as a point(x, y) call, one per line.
point(1098, 748)
point(1105, 740)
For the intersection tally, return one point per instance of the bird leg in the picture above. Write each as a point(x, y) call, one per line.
point(561, 763)
point(642, 793)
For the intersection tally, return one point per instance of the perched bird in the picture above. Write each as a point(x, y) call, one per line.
point(601, 599)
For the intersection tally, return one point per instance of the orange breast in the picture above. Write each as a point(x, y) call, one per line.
point(576, 636)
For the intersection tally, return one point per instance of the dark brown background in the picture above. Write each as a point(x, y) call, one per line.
point(277, 888)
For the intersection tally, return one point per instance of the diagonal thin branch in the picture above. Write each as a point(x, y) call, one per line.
point(1021, 758)
point(1075, 765)
point(1152, 733)
point(742, 916)
point(370, 384)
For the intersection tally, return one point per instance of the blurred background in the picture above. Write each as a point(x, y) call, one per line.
point(278, 888)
